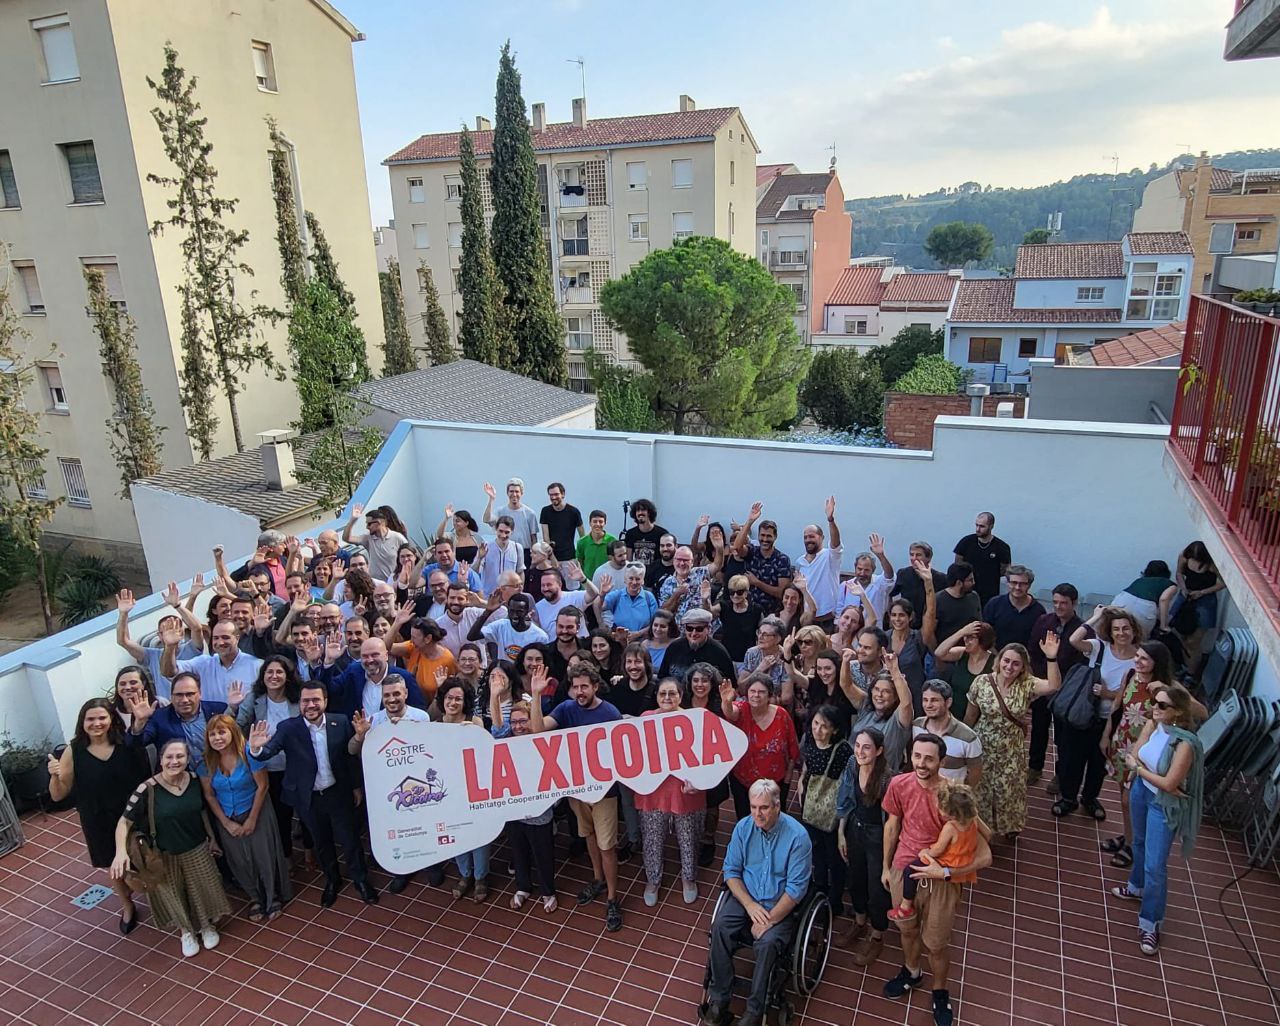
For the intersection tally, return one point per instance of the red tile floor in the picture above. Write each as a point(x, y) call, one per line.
point(1036, 943)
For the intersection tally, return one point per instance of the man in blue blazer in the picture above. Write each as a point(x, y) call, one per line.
point(184, 719)
point(322, 783)
point(359, 685)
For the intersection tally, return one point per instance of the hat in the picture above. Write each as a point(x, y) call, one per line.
point(696, 616)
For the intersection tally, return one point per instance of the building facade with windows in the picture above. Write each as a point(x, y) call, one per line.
point(804, 239)
point(77, 141)
point(1067, 295)
point(611, 191)
point(870, 304)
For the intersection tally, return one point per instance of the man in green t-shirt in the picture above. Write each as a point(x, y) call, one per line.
point(591, 551)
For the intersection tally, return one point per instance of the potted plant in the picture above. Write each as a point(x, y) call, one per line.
point(26, 771)
point(1263, 301)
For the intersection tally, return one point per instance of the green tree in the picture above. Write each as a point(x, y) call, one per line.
point(397, 349)
point(1036, 237)
point(900, 355)
point(434, 325)
point(337, 458)
point(132, 431)
point(621, 402)
point(843, 390)
point(932, 375)
point(482, 333)
point(220, 341)
point(520, 253)
point(22, 516)
point(715, 333)
point(328, 354)
point(293, 257)
point(957, 243)
point(326, 267)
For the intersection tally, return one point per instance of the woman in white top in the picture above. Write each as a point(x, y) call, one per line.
point(1081, 759)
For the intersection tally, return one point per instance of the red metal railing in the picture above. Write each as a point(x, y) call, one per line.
point(1226, 423)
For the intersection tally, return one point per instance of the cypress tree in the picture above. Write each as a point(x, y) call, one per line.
point(293, 259)
point(481, 333)
point(434, 324)
point(132, 431)
point(326, 271)
point(397, 351)
point(519, 250)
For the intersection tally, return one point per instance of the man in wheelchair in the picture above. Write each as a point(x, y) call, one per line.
point(766, 869)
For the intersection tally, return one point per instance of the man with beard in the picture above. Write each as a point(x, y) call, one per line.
point(821, 567)
point(504, 638)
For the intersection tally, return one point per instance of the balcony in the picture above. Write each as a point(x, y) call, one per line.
point(579, 295)
point(1254, 31)
point(788, 259)
point(1225, 436)
point(573, 196)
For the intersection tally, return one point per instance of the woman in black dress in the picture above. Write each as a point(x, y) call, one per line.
point(101, 771)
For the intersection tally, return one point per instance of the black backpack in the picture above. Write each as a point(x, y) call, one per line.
point(1075, 703)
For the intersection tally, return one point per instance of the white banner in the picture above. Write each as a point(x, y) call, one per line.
point(434, 789)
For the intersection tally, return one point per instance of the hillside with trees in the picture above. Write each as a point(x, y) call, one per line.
point(1095, 207)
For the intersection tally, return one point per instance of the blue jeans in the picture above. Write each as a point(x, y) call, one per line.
point(1206, 608)
point(1152, 842)
point(473, 863)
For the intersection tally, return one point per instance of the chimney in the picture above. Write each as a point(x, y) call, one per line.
point(483, 124)
point(277, 460)
point(539, 117)
point(686, 103)
point(976, 394)
point(579, 112)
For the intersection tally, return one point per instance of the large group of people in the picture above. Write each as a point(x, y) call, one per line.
point(895, 718)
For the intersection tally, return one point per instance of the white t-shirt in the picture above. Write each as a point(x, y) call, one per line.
point(548, 611)
point(1112, 671)
point(411, 713)
point(509, 640)
point(823, 577)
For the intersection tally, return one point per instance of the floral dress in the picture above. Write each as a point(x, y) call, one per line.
point(1135, 710)
point(1002, 791)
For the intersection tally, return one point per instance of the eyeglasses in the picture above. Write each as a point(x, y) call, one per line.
point(737, 591)
point(1163, 705)
point(694, 628)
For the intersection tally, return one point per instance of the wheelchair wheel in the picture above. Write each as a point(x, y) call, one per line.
point(812, 945)
point(721, 897)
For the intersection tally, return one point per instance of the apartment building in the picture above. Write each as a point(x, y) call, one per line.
point(612, 190)
point(1065, 295)
point(1231, 217)
point(870, 304)
point(77, 141)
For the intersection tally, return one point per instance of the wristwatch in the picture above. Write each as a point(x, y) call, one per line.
point(946, 872)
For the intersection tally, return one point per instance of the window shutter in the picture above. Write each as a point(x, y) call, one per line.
point(59, 49)
point(111, 279)
point(260, 69)
point(31, 285)
point(82, 163)
point(1222, 238)
point(8, 183)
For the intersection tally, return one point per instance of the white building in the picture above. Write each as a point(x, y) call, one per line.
point(870, 304)
point(384, 244)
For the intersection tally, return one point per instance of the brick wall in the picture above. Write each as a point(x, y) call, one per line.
point(908, 419)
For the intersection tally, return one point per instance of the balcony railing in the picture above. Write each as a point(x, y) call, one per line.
point(788, 259)
point(1226, 424)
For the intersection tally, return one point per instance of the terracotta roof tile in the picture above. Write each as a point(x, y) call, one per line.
point(766, 172)
point(1158, 243)
point(990, 301)
point(857, 286)
point(792, 185)
point(1140, 348)
point(919, 291)
point(1220, 178)
point(676, 126)
point(1070, 260)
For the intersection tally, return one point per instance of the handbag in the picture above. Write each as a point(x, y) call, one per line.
point(820, 795)
point(1075, 703)
point(146, 859)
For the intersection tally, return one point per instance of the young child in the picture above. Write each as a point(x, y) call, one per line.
point(955, 846)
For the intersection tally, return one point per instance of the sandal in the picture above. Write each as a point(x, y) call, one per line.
point(461, 888)
point(518, 899)
point(481, 894)
point(1062, 807)
point(900, 915)
point(255, 914)
point(1123, 858)
point(275, 913)
point(1114, 844)
point(1094, 808)
point(549, 903)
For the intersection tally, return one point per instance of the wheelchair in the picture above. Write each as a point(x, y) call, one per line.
point(800, 969)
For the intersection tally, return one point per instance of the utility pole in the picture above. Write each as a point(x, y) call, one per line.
point(1111, 209)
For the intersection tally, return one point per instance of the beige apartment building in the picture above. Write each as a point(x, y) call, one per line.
point(77, 141)
point(612, 190)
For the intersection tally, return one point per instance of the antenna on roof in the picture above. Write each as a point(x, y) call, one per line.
point(581, 62)
point(832, 148)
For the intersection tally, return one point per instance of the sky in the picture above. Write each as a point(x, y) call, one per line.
point(912, 95)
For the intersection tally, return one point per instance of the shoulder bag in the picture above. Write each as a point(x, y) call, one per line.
point(1075, 703)
point(146, 859)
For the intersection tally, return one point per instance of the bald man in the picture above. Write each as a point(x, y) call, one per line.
point(359, 686)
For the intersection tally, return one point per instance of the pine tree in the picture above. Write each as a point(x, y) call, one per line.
point(434, 324)
point(132, 431)
point(293, 257)
point(397, 350)
point(482, 333)
point(21, 456)
point(220, 341)
point(327, 352)
point(519, 250)
point(326, 271)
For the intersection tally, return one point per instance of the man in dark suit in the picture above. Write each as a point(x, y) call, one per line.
point(321, 783)
point(184, 719)
point(359, 685)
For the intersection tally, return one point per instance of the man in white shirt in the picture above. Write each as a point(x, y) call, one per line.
point(554, 598)
point(504, 638)
point(501, 556)
point(458, 618)
point(821, 567)
point(524, 519)
point(865, 581)
point(614, 565)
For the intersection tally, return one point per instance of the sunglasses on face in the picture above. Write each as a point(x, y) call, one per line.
point(1163, 705)
point(695, 628)
point(737, 591)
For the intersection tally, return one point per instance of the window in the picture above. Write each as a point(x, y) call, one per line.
point(791, 249)
point(574, 237)
point(76, 485)
point(1138, 310)
point(30, 288)
point(457, 280)
point(51, 377)
point(1242, 234)
point(417, 194)
point(637, 174)
point(579, 333)
point(110, 279)
point(36, 486)
point(731, 220)
point(1165, 309)
point(681, 224)
point(82, 166)
point(797, 288)
point(1168, 284)
point(984, 350)
point(764, 237)
point(1221, 238)
point(420, 238)
point(455, 234)
point(855, 325)
point(1027, 348)
point(8, 183)
point(58, 47)
point(732, 177)
point(264, 66)
point(1089, 294)
point(452, 187)
point(682, 173)
point(638, 227)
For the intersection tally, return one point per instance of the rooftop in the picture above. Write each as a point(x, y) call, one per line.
point(469, 392)
point(990, 301)
point(919, 291)
point(1159, 243)
point(1220, 178)
point(1070, 260)
point(770, 205)
point(673, 127)
point(858, 286)
point(765, 172)
point(1136, 350)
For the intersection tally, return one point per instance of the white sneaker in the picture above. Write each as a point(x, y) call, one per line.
point(210, 938)
point(690, 892)
point(651, 895)
point(190, 946)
